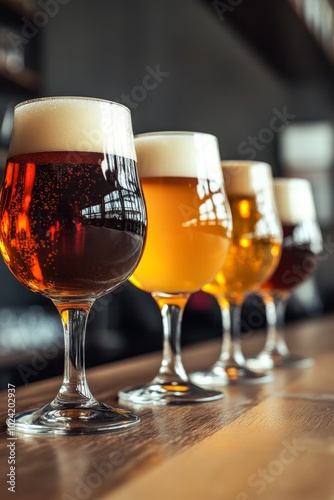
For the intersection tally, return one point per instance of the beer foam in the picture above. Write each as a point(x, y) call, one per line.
point(72, 124)
point(246, 177)
point(294, 200)
point(178, 154)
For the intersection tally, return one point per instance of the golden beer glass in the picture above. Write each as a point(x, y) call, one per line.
point(302, 243)
point(72, 228)
point(252, 257)
point(187, 242)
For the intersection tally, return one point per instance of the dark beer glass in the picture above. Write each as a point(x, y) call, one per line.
point(72, 228)
point(302, 243)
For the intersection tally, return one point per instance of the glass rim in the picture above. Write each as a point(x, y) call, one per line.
point(68, 98)
point(175, 132)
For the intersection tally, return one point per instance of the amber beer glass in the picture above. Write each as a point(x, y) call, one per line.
point(302, 243)
point(252, 257)
point(72, 228)
point(187, 243)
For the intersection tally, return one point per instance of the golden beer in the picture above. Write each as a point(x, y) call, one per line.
point(186, 239)
point(189, 222)
point(189, 227)
point(251, 257)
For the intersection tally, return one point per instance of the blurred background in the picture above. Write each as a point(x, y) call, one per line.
point(259, 75)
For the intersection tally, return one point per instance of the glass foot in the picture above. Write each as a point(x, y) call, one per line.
point(274, 360)
point(230, 375)
point(73, 420)
point(172, 393)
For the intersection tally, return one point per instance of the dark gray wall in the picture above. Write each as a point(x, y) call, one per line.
point(215, 83)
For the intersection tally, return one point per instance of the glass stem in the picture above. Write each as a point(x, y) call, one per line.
point(74, 390)
point(171, 368)
point(231, 353)
point(275, 315)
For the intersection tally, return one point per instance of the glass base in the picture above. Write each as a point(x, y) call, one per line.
point(267, 360)
point(230, 375)
point(73, 420)
point(171, 393)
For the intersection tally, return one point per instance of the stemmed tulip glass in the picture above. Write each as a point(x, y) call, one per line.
point(302, 243)
point(73, 223)
point(252, 257)
point(187, 243)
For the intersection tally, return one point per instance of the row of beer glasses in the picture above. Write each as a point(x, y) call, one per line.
point(73, 228)
point(274, 230)
point(293, 260)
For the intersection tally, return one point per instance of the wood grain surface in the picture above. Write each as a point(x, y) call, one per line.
point(268, 441)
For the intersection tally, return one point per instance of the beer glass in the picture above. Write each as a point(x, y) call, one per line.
point(187, 243)
point(252, 257)
point(302, 243)
point(72, 227)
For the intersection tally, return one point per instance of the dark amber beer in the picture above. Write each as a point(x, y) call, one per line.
point(72, 228)
point(66, 228)
point(302, 240)
point(298, 262)
point(71, 209)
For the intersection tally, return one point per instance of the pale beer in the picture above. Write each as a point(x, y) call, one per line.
point(256, 240)
point(250, 259)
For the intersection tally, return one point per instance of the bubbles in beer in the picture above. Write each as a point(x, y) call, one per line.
point(68, 228)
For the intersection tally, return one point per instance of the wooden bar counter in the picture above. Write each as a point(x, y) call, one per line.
point(268, 441)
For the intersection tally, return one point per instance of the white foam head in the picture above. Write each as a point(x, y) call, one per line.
point(294, 200)
point(72, 124)
point(246, 177)
point(178, 154)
